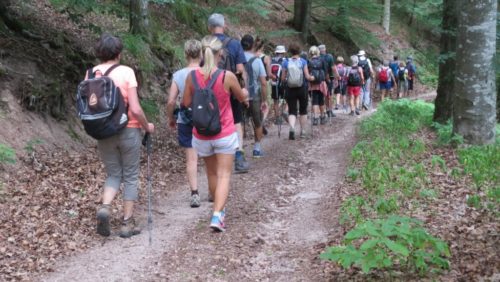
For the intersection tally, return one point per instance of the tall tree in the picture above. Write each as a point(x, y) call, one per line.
point(302, 17)
point(445, 91)
point(387, 15)
point(474, 108)
point(139, 17)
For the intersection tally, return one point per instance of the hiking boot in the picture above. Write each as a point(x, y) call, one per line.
point(195, 200)
point(217, 222)
point(264, 130)
point(322, 120)
point(365, 107)
point(302, 134)
point(357, 112)
point(257, 154)
point(103, 220)
point(352, 113)
point(240, 163)
point(128, 228)
point(291, 135)
point(315, 121)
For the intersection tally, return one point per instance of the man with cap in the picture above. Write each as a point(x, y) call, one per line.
point(368, 74)
point(330, 64)
point(412, 74)
point(234, 62)
point(277, 89)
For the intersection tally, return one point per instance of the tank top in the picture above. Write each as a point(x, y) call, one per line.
point(226, 113)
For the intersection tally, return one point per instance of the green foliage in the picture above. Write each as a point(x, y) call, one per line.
point(7, 154)
point(150, 109)
point(445, 134)
point(139, 49)
point(30, 145)
point(474, 201)
point(384, 243)
point(438, 161)
point(352, 209)
point(428, 193)
point(482, 163)
point(77, 8)
point(352, 174)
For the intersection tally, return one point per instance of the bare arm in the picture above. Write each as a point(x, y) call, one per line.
point(187, 98)
point(263, 88)
point(267, 62)
point(172, 98)
point(232, 85)
point(240, 69)
point(307, 75)
point(360, 71)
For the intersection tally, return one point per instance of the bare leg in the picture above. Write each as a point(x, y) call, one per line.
point(303, 123)
point(291, 121)
point(224, 166)
point(191, 168)
point(239, 130)
point(211, 168)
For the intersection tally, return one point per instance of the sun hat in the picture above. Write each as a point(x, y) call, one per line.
point(361, 53)
point(280, 49)
point(322, 47)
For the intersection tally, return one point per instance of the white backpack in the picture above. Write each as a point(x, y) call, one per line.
point(295, 76)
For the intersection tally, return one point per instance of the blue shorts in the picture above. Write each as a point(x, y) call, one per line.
point(185, 135)
point(385, 85)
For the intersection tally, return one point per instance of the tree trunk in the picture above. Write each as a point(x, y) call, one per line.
point(410, 21)
point(445, 91)
point(139, 18)
point(302, 17)
point(387, 15)
point(474, 109)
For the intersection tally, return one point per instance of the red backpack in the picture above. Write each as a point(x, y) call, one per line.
point(383, 76)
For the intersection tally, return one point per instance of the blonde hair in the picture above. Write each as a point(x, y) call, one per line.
point(192, 49)
point(340, 59)
point(314, 51)
point(211, 46)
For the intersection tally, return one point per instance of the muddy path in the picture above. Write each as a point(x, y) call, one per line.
point(279, 217)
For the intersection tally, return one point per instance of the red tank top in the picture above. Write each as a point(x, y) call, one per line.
point(226, 113)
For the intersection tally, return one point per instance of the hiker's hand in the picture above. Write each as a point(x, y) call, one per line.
point(311, 78)
point(151, 128)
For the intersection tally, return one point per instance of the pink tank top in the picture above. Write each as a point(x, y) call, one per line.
point(226, 113)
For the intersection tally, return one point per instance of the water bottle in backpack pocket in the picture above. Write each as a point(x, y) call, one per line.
point(205, 108)
point(101, 106)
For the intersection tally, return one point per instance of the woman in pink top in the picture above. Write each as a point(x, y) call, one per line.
point(217, 151)
point(120, 153)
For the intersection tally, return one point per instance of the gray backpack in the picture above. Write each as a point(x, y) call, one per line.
point(295, 76)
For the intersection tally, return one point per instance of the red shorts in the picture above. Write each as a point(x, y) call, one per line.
point(353, 90)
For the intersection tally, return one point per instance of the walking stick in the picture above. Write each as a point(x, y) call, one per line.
point(149, 148)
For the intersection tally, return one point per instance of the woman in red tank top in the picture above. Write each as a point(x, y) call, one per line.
point(217, 151)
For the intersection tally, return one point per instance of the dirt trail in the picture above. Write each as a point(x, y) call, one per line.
point(276, 216)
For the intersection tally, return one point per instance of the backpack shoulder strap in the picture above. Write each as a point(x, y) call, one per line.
point(214, 79)
point(250, 62)
point(226, 42)
point(195, 81)
point(111, 69)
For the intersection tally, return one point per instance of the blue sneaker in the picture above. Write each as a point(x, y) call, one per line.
point(257, 153)
point(217, 222)
point(240, 163)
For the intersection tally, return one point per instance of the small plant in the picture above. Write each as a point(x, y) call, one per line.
point(352, 209)
point(445, 134)
point(384, 243)
point(474, 201)
point(7, 154)
point(150, 109)
point(386, 206)
point(439, 161)
point(352, 174)
point(30, 145)
point(428, 193)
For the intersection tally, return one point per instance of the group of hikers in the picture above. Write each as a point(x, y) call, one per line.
point(224, 81)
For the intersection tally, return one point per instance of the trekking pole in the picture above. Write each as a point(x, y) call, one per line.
point(149, 148)
point(279, 119)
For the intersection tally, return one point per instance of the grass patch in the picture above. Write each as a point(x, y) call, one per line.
point(150, 109)
point(7, 154)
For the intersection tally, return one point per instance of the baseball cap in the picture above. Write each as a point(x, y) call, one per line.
point(216, 20)
point(280, 49)
point(322, 47)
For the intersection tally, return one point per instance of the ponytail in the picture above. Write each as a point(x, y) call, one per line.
point(211, 46)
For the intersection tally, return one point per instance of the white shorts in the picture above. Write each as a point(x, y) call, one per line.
point(207, 148)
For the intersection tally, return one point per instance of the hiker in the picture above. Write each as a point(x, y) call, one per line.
point(402, 78)
point(341, 89)
point(277, 87)
point(120, 153)
point(233, 60)
point(192, 53)
point(355, 81)
point(318, 88)
point(257, 90)
point(266, 60)
point(368, 74)
point(385, 76)
point(412, 74)
point(218, 150)
point(295, 73)
point(330, 65)
point(394, 65)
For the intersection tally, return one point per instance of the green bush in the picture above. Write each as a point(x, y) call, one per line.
point(7, 154)
point(384, 243)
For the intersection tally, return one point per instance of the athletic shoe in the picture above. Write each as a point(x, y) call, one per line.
point(302, 134)
point(217, 223)
point(365, 107)
point(322, 120)
point(357, 112)
point(240, 163)
point(103, 220)
point(129, 228)
point(291, 135)
point(195, 200)
point(315, 121)
point(257, 153)
point(352, 113)
point(337, 107)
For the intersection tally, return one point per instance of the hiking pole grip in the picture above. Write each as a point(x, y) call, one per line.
point(147, 142)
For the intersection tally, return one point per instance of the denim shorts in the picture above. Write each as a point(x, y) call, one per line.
point(385, 85)
point(185, 135)
point(226, 145)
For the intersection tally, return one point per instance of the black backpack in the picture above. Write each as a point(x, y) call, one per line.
point(100, 105)
point(251, 80)
point(401, 74)
point(366, 68)
point(205, 108)
point(317, 67)
point(227, 62)
point(354, 79)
